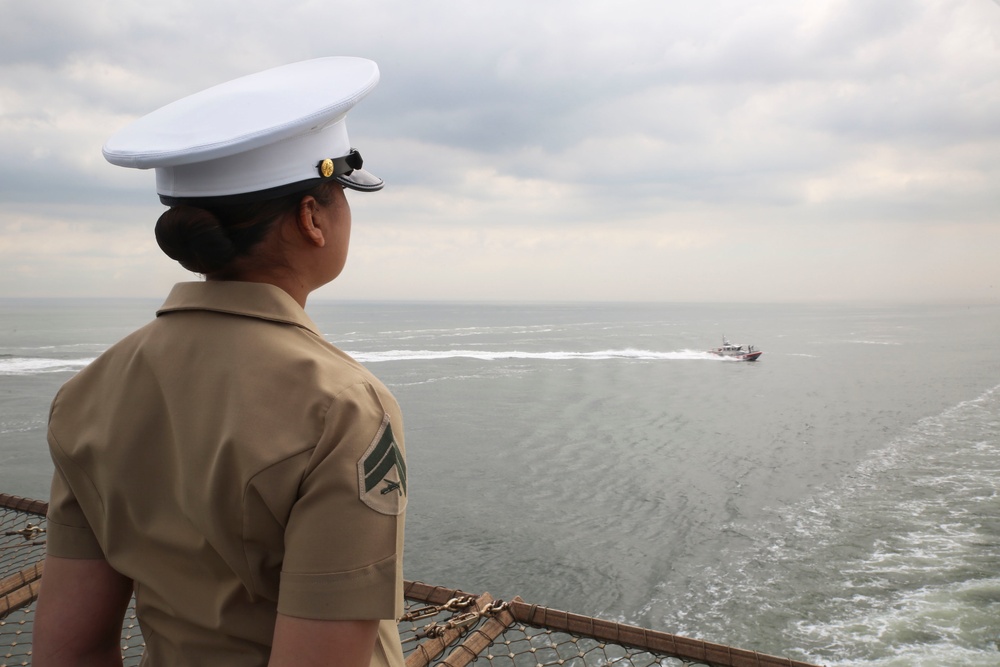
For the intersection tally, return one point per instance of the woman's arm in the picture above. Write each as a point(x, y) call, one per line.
point(303, 642)
point(78, 619)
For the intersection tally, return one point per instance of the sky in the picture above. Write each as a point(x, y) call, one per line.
point(705, 151)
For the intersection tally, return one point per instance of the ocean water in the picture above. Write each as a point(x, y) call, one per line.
point(834, 502)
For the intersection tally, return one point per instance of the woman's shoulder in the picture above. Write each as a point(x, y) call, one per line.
point(339, 370)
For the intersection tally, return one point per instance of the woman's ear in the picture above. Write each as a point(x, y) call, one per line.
point(307, 224)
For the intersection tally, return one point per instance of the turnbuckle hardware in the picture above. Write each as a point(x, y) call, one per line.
point(29, 532)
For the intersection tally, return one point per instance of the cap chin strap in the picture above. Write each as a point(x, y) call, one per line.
point(331, 168)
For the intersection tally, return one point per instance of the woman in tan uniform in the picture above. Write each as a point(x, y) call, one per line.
point(239, 474)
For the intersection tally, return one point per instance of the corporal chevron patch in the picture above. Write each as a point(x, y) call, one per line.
point(382, 473)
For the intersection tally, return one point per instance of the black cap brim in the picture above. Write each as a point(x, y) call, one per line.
point(361, 180)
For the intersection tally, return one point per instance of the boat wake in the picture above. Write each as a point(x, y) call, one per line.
point(896, 562)
point(500, 355)
point(35, 365)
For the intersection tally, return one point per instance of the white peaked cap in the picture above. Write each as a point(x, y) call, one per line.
point(260, 136)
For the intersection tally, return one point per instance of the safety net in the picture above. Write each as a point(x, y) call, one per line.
point(441, 626)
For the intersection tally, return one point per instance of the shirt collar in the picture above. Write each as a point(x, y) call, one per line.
point(260, 300)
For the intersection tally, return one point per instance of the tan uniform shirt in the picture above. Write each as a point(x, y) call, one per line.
point(233, 464)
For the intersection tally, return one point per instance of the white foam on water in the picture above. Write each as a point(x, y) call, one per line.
point(874, 342)
point(20, 426)
point(498, 355)
point(932, 626)
point(35, 365)
point(895, 565)
point(925, 593)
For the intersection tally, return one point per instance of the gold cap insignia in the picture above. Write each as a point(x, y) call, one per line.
point(326, 168)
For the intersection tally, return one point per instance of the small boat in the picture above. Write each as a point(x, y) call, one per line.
point(737, 352)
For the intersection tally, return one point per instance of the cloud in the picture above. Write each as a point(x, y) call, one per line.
point(644, 131)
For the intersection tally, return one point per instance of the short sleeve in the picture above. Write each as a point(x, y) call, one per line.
point(68, 533)
point(344, 537)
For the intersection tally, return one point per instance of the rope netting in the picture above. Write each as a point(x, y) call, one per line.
point(441, 626)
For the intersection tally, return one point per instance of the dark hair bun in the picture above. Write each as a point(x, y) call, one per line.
point(194, 237)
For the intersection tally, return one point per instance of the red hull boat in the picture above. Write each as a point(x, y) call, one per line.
point(737, 352)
